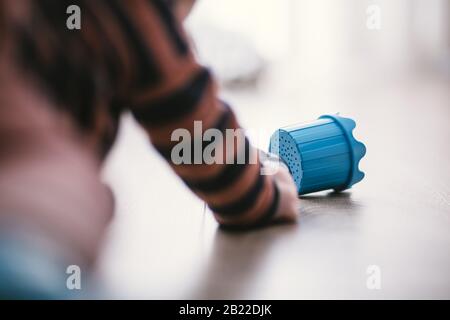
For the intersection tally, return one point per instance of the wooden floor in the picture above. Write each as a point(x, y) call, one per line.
point(164, 244)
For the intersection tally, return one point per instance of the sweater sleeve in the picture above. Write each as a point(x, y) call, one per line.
point(169, 93)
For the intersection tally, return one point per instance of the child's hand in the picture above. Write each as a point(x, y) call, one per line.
point(288, 203)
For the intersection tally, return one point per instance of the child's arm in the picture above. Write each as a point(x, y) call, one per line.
point(168, 91)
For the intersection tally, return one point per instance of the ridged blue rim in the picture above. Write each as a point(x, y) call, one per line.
point(351, 141)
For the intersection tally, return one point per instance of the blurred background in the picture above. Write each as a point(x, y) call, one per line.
point(323, 42)
point(317, 55)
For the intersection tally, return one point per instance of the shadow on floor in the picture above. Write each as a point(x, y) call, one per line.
point(329, 203)
point(237, 260)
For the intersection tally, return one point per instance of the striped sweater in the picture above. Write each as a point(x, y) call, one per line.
point(133, 55)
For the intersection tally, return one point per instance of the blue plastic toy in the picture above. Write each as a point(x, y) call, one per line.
point(320, 155)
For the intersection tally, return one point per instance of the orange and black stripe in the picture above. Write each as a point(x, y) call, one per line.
point(133, 55)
